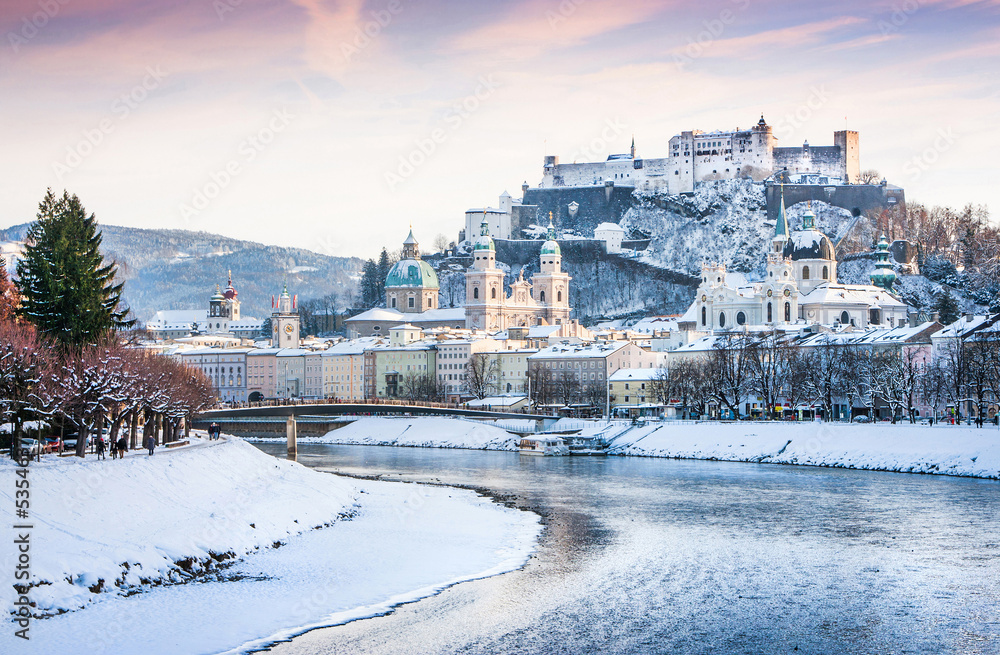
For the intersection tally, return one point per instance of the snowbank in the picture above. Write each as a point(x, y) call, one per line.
point(104, 530)
point(948, 450)
point(112, 526)
point(428, 432)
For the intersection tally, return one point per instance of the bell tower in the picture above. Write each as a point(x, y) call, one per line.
point(284, 322)
point(551, 286)
point(484, 294)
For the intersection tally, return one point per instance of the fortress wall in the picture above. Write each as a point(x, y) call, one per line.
point(863, 198)
point(596, 206)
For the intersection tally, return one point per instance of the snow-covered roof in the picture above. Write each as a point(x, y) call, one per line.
point(850, 294)
point(352, 347)
point(580, 350)
point(176, 316)
point(378, 314)
point(655, 323)
point(628, 374)
point(609, 227)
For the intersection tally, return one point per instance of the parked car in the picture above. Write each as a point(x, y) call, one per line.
point(69, 443)
point(52, 444)
point(31, 446)
point(862, 419)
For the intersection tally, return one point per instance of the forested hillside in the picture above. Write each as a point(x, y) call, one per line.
point(176, 269)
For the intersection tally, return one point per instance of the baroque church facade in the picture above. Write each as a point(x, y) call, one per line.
point(800, 286)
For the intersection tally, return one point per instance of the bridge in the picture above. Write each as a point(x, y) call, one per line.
point(383, 408)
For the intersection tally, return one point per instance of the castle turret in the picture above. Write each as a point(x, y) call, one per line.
point(285, 322)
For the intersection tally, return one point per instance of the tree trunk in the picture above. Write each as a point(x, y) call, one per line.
point(187, 427)
point(133, 428)
point(157, 428)
point(81, 440)
point(147, 427)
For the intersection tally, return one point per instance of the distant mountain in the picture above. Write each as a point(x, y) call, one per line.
point(177, 269)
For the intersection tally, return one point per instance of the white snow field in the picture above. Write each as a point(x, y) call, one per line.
point(402, 542)
point(948, 450)
point(945, 449)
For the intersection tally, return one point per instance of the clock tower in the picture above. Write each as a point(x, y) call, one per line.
point(284, 322)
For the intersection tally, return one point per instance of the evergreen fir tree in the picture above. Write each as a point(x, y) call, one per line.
point(946, 307)
point(384, 265)
point(68, 291)
point(370, 284)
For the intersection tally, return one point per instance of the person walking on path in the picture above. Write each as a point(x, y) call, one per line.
point(122, 447)
point(150, 444)
point(100, 447)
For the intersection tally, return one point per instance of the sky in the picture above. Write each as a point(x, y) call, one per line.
point(335, 125)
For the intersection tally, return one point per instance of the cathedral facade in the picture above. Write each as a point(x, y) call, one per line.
point(542, 301)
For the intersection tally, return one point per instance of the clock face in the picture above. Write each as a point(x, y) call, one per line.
point(704, 298)
point(289, 329)
point(788, 292)
point(769, 293)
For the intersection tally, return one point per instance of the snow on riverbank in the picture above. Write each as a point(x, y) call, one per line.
point(949, 450)
point(106, 526)
point(170, 512)
point(428, 432)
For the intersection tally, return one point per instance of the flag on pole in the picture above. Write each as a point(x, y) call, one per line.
point(295, 300)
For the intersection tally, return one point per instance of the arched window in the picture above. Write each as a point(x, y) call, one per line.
point(805, 272)
point(541, 296)
point(826, 272)
point(770, 313)
point(722, 319)
point(559, 296)
point(788, 312)
point(475, 293)
point(845, 318)
point(493, 293)
point(704, 316)
point(741, 319)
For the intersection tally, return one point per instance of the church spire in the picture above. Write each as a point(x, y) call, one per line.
point(781, 231)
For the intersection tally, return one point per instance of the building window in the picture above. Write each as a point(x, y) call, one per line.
point(805, 272)
point(558, 296)
point(541, 296)
point(788, 312)
point(409, 302)
point(722, 319)
point(392, 302)
point(704, 316)
point(826, 272)
point(493, 293)
point(741, 318)
point(770, 313)
point(845, 318)
point(475, 293)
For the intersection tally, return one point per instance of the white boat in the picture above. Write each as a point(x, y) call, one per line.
point(551, 446)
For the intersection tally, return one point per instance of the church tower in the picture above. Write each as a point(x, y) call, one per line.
point(484, 294)
point(551, 286)
point(285, 322)
point(231, 302)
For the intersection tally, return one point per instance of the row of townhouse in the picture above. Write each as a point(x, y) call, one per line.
point(612, 372)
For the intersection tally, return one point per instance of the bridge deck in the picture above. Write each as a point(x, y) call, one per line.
point(360, 409)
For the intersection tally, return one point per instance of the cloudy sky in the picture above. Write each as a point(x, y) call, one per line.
point(335, 124)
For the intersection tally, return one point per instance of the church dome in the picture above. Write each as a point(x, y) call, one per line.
point(230, 293)
point(217, 296)
point(551, 247)
point(484, 242)
point(809, 244)
point(412, 273)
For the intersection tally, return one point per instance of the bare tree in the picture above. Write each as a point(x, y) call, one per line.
point(728, 371)
point(484, 375)
point(870, 176)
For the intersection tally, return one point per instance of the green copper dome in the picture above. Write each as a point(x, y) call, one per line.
point(551, 246)
point(412, 273)
point(485, 241)
point(883, 276)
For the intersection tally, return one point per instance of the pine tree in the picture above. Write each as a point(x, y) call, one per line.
point(68, 291)
point(946, 307)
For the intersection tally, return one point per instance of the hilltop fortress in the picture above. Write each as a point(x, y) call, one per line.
point(696, 156)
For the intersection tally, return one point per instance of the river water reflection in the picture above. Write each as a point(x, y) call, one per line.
point(658, 556)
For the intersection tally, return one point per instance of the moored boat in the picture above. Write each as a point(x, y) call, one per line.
point(543, 445)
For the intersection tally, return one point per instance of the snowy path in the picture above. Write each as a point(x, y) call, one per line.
point(406, 542)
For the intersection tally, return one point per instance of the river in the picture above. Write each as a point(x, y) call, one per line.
point(666, 556)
